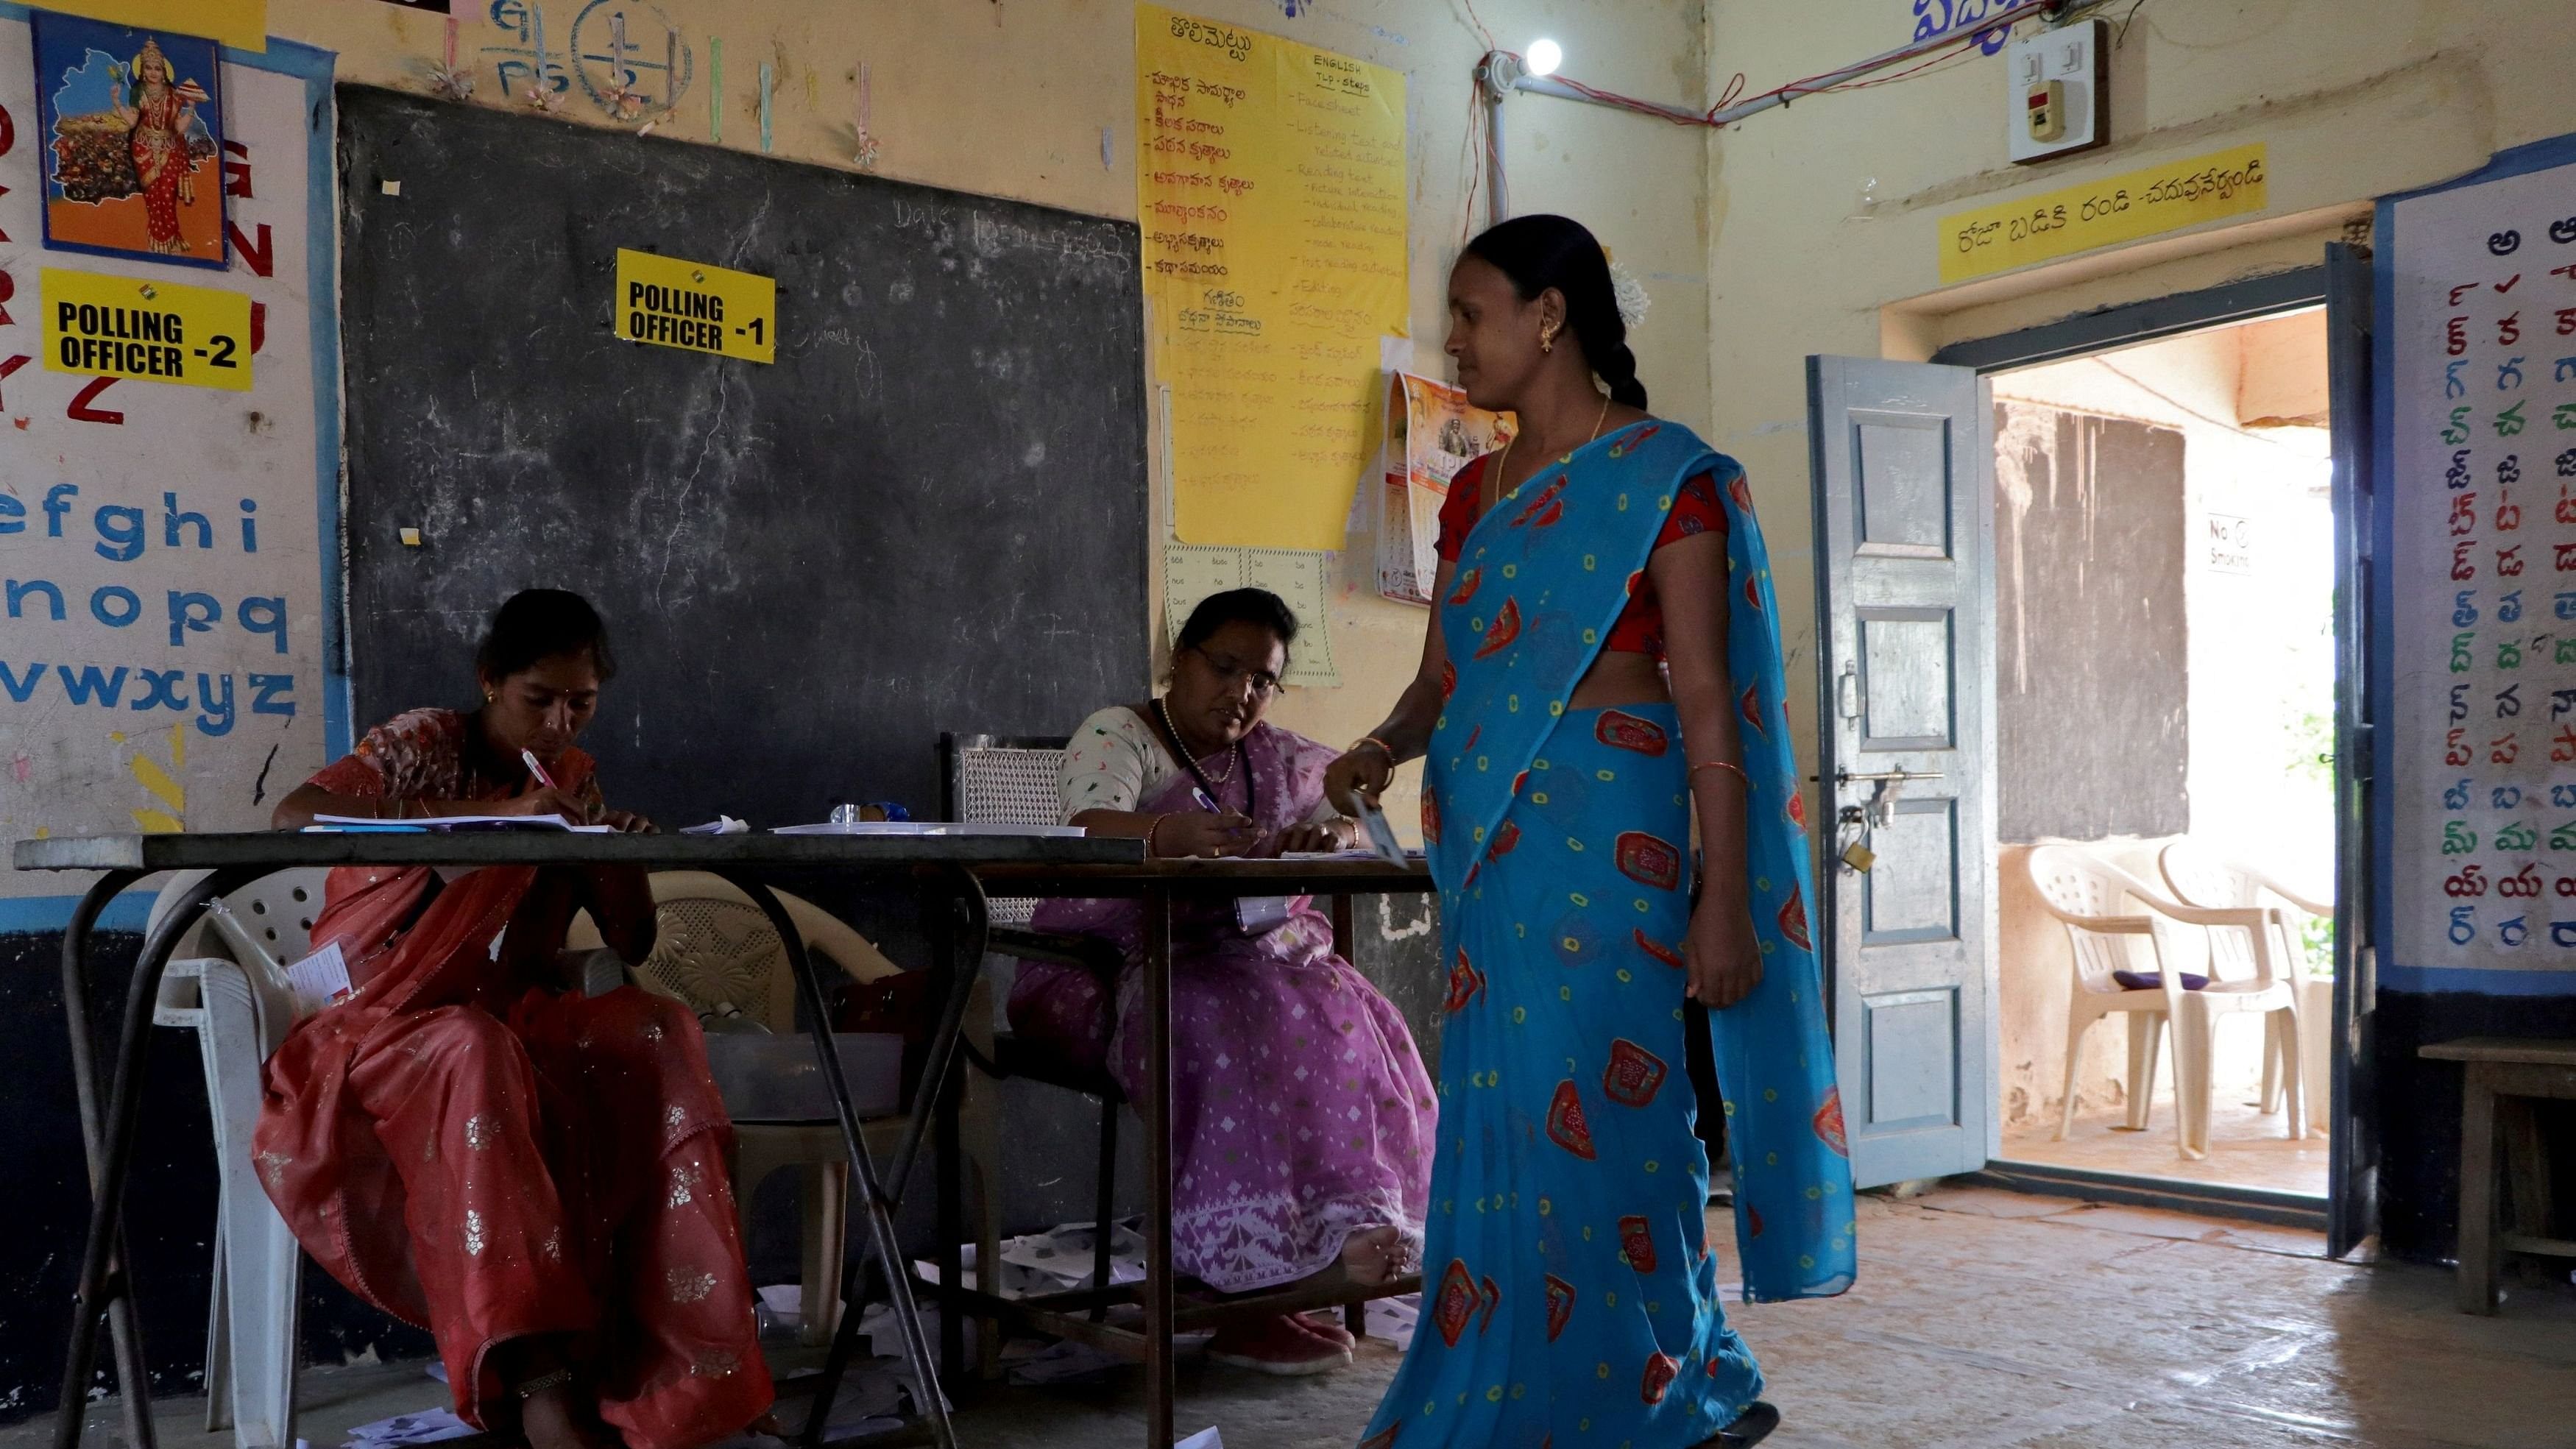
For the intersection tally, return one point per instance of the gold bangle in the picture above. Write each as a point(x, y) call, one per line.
point(1728, 765)
point(1383, 747)
point(1150, 832)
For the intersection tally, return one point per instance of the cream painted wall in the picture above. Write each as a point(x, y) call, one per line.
point(1011, 97)
point(2354, 101)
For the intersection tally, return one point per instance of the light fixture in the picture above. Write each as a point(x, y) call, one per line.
point(1545, 56)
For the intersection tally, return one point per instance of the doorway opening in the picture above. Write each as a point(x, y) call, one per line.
point(2164, 576)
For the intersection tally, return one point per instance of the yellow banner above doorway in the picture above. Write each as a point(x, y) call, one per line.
point(2103, 213)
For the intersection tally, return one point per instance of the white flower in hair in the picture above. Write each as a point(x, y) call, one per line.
point(1631, 294)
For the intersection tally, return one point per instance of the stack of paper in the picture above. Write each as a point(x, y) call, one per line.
point(456, 822)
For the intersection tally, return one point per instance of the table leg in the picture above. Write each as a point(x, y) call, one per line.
point(2477, 1282)
point(112, 1155)
point(871, 1200)
point(1161, 1386)
point(128, 1342)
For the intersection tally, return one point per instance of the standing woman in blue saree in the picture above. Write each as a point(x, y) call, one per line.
point(1602, 671)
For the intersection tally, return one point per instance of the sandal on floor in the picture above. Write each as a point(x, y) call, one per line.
point(1277, 1348)
point(1750, 1427)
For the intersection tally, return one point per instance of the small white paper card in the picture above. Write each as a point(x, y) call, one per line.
point(319, 980)
point(1381, 836)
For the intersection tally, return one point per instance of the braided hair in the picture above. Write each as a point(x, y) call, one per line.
point(1539, 252)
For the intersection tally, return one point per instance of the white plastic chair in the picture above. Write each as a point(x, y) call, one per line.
point(715, 951)
point(2201, 877)
point(227, 982)
point(2090, 897)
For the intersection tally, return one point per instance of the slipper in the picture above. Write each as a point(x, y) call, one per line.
point(1282, 1350)
point(1750, 1427)
point(1332, 1333)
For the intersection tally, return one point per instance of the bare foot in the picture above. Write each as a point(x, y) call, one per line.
point(554, 1419)
point(1371, 1255)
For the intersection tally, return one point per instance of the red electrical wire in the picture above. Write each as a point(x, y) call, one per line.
point(1733, 94)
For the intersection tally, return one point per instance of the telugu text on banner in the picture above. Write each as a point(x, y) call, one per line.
point(1270, 187)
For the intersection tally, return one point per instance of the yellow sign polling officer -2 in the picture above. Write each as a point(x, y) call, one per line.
point(144, 329)
point(672, 303)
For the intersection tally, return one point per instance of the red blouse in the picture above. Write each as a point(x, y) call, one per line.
point(1640, 630)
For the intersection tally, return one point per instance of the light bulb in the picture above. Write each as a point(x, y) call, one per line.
point(1544, 57)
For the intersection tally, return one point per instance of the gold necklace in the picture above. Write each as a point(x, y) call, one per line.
point(1166, 712)
point(1495, 478)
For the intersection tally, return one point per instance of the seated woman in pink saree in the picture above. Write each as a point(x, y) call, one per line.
point(1301, 1115)
point(470, 1143)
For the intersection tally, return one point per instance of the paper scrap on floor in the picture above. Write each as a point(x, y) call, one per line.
point(426, 1427)
point(1393, 1319)
point(1058, 1260)
point(1207, 1438)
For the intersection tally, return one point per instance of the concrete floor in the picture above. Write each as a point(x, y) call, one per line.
point(2247, 1147)
point(1982, 1320)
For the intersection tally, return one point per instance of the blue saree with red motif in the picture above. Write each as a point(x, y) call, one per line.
point(1570, 1292)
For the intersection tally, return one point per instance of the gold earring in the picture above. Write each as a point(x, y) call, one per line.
point(1547, 340)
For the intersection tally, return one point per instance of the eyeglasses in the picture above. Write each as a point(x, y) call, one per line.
point(1237, 676)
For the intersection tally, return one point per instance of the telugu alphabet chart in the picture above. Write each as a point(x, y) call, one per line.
point(2482, 736)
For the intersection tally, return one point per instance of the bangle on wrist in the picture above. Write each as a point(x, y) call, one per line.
point(1383, 747)
point(1727, 765)
point(543, 1382)
point(1150, 832)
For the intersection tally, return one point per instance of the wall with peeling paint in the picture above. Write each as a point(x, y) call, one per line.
point(1025, 98)
point(1032, 100)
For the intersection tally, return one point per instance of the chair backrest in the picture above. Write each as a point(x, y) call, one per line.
point(2076, 886)
point(1001, 780)
point(716, 951)
point(2200, 876)
point(276, 911)
point(274, 918)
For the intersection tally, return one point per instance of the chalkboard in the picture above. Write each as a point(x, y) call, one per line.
point(930, 514)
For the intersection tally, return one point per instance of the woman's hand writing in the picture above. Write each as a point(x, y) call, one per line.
point(1319, 835)
point(1358, 778)
point(1204, 835)
point(1724, 955)
point(545, 800)
point(627, 822)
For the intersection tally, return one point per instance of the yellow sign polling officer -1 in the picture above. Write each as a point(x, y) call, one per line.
point(690, 305)
point(145, 329)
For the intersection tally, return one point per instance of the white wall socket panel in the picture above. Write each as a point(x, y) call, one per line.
point(2057, 92)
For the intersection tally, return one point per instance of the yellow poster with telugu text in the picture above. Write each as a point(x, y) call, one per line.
point(242, 24)
point(1270, 186)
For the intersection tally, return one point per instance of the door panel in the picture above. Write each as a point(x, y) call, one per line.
point(1906, 679)
point(1901, 465)
point(1912, 892)
point(2352, 1143)
point(1901, 457)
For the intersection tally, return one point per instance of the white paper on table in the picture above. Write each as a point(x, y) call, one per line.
point(721, 825)
point(469, 822)
point(319, 980)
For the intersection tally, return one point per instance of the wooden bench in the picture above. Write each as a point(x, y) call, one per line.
point(2504, 1076)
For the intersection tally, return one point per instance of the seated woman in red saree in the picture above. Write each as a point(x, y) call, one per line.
point(470, 1143)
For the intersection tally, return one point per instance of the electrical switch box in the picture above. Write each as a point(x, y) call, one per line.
point(2058, 84)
